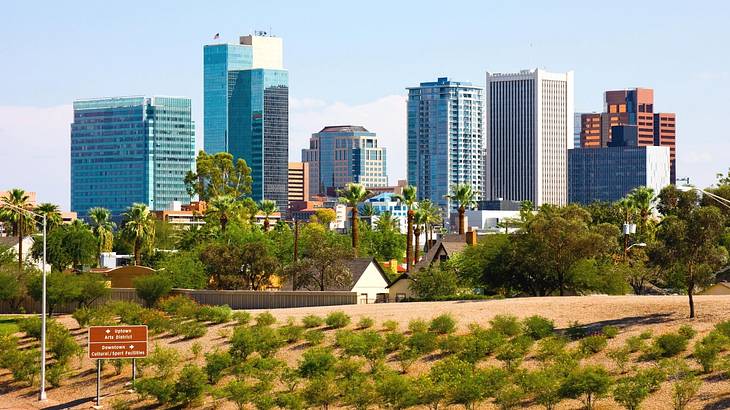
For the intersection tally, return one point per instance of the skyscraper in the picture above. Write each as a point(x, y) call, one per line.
point(631, 107)
point(445, 138)
point(130, 149)
point(246, 95)
point(298, 181)
point(529, 129)
point(342, 154)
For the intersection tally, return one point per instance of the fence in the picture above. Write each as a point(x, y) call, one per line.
point(236, 299)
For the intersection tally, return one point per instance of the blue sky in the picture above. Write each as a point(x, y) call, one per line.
point(350, 63)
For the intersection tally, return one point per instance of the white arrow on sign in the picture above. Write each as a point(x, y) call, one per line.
point(131, 346)
point(108, 331)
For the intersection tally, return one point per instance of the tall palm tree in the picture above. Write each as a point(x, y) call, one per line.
point(420, 219)
point(367, 212)
point(268, 208)
point(103, 228)
point(223, 208)
point(386, 222)
point(410, 200)
point(52, 213)
point(643, 200)
point(465, 197)
point(19, 222)
point(351, 196)
point(139, 224)
point(433, 218)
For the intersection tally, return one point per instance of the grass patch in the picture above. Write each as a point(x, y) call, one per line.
point(9, 324)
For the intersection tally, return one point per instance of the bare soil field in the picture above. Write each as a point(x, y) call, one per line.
point(631, 314)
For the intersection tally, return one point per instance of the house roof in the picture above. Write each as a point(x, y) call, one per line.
point(357, 267)
point(451, 244)
point(399, 278)
point(11, 241)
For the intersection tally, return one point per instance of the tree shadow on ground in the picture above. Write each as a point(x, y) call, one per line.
point(71, 404)
point(625, 322)
point(723, 403)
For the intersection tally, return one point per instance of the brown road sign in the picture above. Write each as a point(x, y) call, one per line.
point(117, 342)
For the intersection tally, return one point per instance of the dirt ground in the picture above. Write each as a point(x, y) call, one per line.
point(631, 314)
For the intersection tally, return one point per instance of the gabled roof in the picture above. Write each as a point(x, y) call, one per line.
point(399, 278)
point(358, 266)
point(451, 244)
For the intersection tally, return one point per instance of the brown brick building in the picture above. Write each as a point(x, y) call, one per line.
point(631, 107)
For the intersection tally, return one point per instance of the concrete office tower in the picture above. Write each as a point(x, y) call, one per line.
point(341, 154)
point(631, 107)
point(529, 127)
point(298, 181)
point(445, 138)
point(246, 111)
point(130, 149)
point(609, 173)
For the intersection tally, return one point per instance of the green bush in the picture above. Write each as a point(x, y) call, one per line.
point(684, 390)
point(31, 326)
point(152, 287)
point(241, 317)
point(193, 330)
point(55, 373)
point(128, 312)
point(452, 344)
point(422, 342)
point(508, 325)
point(118, 365)
point(513, 352)
point(417, 326)
point(262, 339)
point(635, 344)
point(162, 390)
point(707, 355)
point(265, 319)
point(609, 331)
point(668, 345)
point(393, 341)
point(179, 305)
point(291, 333)
point(156, 321)
point(216, 363)
point(25, 365)
point(620, 358)
point(652, 377)
point(645, 335)
point(365, 322)
point(687, 332)
point(316, 362)
point(551, 348)
point(190, 385)
point(630, 392)
point(442, 324)
point(480, 343)
point(314, 337)
point(723, 328)
point(593, 344)
point(337, 320)
point(538, 327)
point(214, 314)
point(588, 383)
point(312, 321)
point(544, 384)
point(390, 325)
point(164, 360)
point(62, 346)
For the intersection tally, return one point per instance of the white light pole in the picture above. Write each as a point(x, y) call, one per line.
point(718, 198)
point(42, 393)
point(639, 244)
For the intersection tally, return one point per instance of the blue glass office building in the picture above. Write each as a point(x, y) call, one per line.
point(130, 149)
point(246, 96)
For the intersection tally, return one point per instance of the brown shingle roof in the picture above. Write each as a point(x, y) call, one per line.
point(450, 243)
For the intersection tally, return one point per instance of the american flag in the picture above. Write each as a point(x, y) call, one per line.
point(217, 36)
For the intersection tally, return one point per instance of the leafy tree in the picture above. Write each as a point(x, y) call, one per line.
point(325, 216)
point(386, 223)
point(630, 392)
point(435, 281)
point(606, 212)
point(61, 288)
point(185, 270)
point(223, 208)
point(643, 200)
point(13, 286)
point(352, 196)
point(689, 242)
point(103, 228)
point(217, 175)
point(68, 245)
point(433, 218)
point(257, 265)
point(323, 262)
point(465, 197)
point(152, 288)
point(410, 200)
point(267, 208)
point(219, 261)
point(92, 287)
point(20, 223)
point(139, 225)
point(52, 213)
point(476, 265)
point(588, 382)
point(384, 245)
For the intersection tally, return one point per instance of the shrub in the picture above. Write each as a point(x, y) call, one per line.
point(163, 359)
point(196, 349)
point(509, 396)
point(193, 330)
point(241, 317)
point(54, 374)
point(669, 345)
point(265, 319)
point(246, 340)
point(480, 343)
point(396, 391)
point(652, 377)
point(291, 333)
point(442, 324)
point(706, 355)
point(545, 385)
point(128, 312)
point(31, 326)
point(589, 382)
point(390, 325)
point(513, 352)
point(152, 287)
point(576, 331)
point(216, 362)
point(337, 320)
point(155, 320)
point(25, 365)
point(290, 401)
point(630, 392)
point(593, 344)
point(365, 323)
point(723, 328)
point(179, 305)
point(62, 345)
point(609, 331)
point(687, 332)
point(645, 335)
point(214, 314)
point(452, 344)
point(508, 325)
point(393, 341)
point(406, 358)
point(159, 388)
point(551, 348)
point(311, 321)
point(190, 385)
point(314, 337)
point(417, 326)
point(118, 365)
point(82, 316)
point(684, 390)
point(620, 358)
point(538, 327)
point(316, 362)
point(422, 342)
point(321, 392)
point(635, 343)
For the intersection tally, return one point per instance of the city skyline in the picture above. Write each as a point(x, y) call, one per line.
point(369, 94)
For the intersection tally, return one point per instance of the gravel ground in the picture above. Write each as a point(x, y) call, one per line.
point(631, 314)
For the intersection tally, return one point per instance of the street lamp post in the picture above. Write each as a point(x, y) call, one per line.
point(42, 392)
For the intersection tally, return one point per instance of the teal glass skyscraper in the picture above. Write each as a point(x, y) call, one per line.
point(246, 112)
point(130, 149)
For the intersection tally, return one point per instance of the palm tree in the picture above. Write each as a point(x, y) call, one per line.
point(52, 213)
point(103, 228)
point(367, 212)
point(410, 200)
point(465, 197)
point(223, 208)
point(643, 199)
point(420, 219)
point(351, 196)
point(433, 218)
point(139, 224)
point(268, 208)
point(20, 224)
point(386, 222)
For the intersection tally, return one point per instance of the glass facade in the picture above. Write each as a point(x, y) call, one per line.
point(130, 149)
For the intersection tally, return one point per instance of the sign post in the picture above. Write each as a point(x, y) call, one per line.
point(116, 342)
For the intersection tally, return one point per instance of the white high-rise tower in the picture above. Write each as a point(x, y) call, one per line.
point(529, 128)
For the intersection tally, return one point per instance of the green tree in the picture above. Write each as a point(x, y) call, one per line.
point(20, 223)
point(352, 196)
point(689, 245)
point(217, 175)
point(61, 288)
point(465, 197)
point(435, 281)
point(68, 245)
point(386, 222)
point(52, 213)
point(139, 225)
point(420, 219)
point(267, 208)
point(384, 245)
point(223, 209)
point(323, 261)
point(410, 200)
point(643, 200)
point(185, 270)
point(589, 382)
point(325, 216)
point(103, 228)
point(433, 218)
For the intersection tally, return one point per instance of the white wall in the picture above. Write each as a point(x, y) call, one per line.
point(372, 283)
